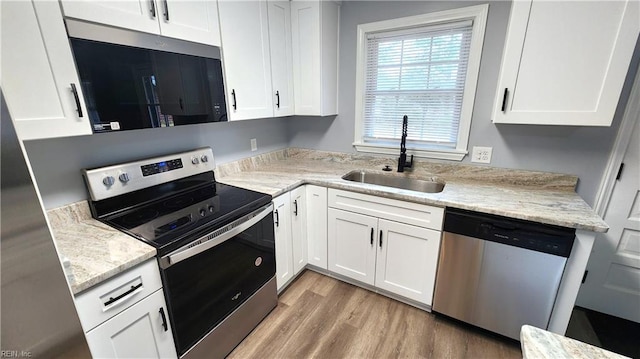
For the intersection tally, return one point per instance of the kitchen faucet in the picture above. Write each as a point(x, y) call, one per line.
point(402, 161)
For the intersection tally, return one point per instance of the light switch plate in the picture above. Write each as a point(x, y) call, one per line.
point(481, 154)
point(254, 144)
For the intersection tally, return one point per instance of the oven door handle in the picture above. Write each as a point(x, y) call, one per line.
point(235, 228)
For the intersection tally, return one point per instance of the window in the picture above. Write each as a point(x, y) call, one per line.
point(424, 67)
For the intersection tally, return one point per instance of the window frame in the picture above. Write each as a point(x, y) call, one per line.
point(477, 14)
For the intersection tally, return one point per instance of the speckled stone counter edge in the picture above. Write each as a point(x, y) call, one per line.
point(96, 251)
point(540, 344)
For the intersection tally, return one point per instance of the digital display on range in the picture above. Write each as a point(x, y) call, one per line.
point(159, 167)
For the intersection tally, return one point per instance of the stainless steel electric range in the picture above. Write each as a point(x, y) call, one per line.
point(215, 244)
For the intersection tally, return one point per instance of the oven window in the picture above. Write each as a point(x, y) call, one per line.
point(205, 289)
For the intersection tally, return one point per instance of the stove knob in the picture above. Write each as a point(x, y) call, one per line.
point(211, 209)
point(108, 181)
point(203, 212)
point(204, 158)
point(195, 160)
point(124, 177)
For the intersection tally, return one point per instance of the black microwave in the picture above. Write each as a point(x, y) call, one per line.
point(132, 80)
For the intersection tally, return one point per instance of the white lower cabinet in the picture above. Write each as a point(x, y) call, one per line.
point(284, 245)
point(126, 316)
point(299, 229)
point(407, 259)
point(316, 207)
point(299, 222)
point(141, 331)
point(397, 257)
point(352, 243)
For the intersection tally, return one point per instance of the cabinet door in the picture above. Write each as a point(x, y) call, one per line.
point(305, 19)
point(138, 332)
point(315, 56)
point(299, 228)
point(140, 15)
point(565, 62)
point(190, 20)
point(317, 225)
point(38, 72)
point(352, 243)
point(284, 250)
point(244, 30)
point(281, 57)
point(407, 260)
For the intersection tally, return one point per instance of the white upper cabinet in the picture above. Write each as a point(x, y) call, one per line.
point(38, 72)
point(281, 57)
point(565, 62)
point(244, 29)
point(140, 15)
point(190, 20)
point(315, 33)
point(187, 20)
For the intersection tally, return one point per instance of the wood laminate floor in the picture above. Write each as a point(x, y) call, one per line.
point(321, 317)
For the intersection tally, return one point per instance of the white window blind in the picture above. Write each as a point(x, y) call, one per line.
point(418, 72)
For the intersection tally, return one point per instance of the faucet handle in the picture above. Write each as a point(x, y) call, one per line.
point(387, 168)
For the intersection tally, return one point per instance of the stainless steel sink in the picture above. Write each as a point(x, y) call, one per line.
point(389, 180)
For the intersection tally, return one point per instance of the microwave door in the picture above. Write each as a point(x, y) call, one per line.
point(183, 88)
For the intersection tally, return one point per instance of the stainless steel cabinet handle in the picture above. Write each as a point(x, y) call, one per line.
point(277, 219)
point(295, 207)
point(278, 99)
point(152, 4)
point(166, 10)
point(77, 98)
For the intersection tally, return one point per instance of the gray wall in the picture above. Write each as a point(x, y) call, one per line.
point(57, 162)
point(578, 150)
point(582, 151)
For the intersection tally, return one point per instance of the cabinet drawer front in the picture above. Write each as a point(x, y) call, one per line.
point(405, 212)
point(102, 302)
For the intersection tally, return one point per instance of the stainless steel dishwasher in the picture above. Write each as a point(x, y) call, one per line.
point(499, 273)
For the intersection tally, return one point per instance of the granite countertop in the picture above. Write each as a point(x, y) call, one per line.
point(538, 343)
point(536, 196)
point(95, 251)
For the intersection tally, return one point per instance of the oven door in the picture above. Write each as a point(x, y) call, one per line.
point(208, 279)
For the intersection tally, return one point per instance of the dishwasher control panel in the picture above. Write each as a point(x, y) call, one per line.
point(510, 231)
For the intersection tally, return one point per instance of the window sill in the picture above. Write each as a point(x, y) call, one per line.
point(452, 155)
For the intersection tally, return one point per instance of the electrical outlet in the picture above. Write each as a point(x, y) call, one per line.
point(254, 144)
point(481, 154)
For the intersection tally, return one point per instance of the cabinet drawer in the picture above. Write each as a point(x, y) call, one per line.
point(405, 212)
point(102, 302)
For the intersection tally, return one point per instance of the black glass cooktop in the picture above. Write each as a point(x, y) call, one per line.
point(169, 215)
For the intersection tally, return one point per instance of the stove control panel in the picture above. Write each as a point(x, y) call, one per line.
point(111, 181)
